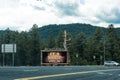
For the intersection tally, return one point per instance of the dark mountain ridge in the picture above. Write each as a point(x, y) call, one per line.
point(73, 29)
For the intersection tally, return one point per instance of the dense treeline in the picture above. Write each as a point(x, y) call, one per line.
point(103, 44)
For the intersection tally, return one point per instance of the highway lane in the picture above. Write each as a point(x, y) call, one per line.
point(60, 73)
point(89, 76)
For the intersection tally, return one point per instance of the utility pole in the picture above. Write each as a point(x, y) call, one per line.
point(65, 46)
point(65, 40)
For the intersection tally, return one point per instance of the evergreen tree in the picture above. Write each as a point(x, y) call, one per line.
point(68, 40)
point(98, 45)
point(22, 49)
point(113, 47)
point(90, 50)
point(60, 39)
point(51, 41)
point(7, 39)
point(15, 35)
point(78, 56)
point(35, 44)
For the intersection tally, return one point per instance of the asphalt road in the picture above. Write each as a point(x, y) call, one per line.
point(60, 73)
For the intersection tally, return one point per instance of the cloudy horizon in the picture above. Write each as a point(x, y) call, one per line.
point(22, 14)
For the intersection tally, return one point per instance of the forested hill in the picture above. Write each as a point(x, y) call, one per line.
point(73, 29)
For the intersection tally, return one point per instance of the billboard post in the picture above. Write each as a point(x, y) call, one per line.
point(3, 54)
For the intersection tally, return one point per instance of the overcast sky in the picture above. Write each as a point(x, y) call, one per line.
point(22, 14)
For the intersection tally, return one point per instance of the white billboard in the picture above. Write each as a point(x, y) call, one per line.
point(8, 48)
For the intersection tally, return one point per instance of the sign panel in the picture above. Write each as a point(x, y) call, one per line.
point(54, 57)
point(8, 48)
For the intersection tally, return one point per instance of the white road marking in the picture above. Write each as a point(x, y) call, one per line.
point(101, 73)
point(30, 70)
point(66, 74)
point(110, 74)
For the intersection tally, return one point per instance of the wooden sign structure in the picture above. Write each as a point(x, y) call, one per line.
point(54, 57)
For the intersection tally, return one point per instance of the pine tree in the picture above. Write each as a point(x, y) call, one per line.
point(78, 56)
point(90, 50)
point(112, 44)
point(22, 49)
point(51, 41)
point(60, 40)
point(35, 44)
point(7, 39)
point(98, 45)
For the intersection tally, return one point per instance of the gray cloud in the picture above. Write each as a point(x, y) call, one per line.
point(38, 8)
point(38, 0)
point(111, 17)
point(82, 2)
point(9, 3)
point(69, 9)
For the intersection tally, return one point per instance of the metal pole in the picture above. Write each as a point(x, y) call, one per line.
point(3, 59)
point(104, 48)
point(13, 58)
point(3, 54)
point(13, 54)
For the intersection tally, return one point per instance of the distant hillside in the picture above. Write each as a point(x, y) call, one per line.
point(74, 29)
